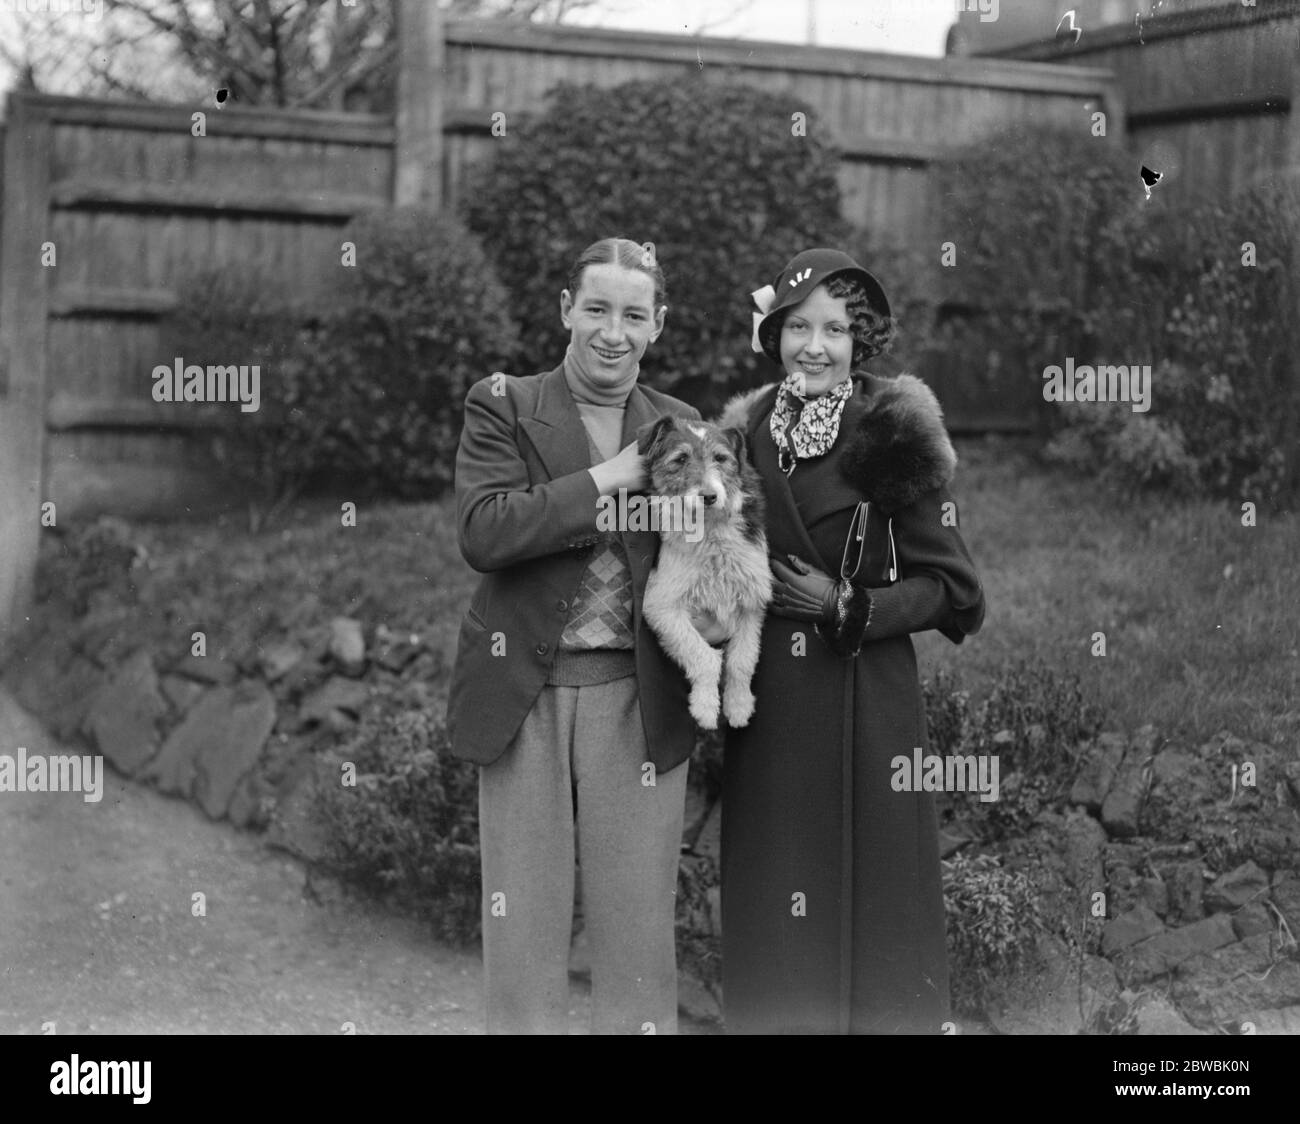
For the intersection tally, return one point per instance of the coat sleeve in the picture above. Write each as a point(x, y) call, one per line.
point(503, 517)
point(938, 586)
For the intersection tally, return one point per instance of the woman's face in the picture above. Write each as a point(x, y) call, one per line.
point(611, 319)
point(816, 341)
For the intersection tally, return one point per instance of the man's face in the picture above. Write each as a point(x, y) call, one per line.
point(611, 320)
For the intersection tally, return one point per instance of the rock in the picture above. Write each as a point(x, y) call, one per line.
point(216, 743)
point(696, 1001)
point(1145, 741)
point(248, 808)
point(348, 646)
point(709, 844)
point(61, 696)
point(1136, 925)
point(121, 718)
point(277, 660)
point(1101, 765)
point(336, 694)
point(1122, 809)
point(1291, 775)
point(1085, 842)
point(1286, 896)
point(394, 653)
point(1251, 920)
point(1171, 768)
point(1185, 885)
point(1220, 986)
point(1243, 884)
point(1154, 1014)
point(207, 669)
point(1154, 894)
point(1056, 998)
point(181, 692)
point(1165, 951)
point(293, 825)
point(1123, 881)
point(232, 744)
point(1285, 1020)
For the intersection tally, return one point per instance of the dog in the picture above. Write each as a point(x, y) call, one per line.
point(699, 468)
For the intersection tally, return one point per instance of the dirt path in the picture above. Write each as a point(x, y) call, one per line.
point(97, 934)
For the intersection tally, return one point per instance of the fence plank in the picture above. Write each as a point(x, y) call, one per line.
point(22, 360)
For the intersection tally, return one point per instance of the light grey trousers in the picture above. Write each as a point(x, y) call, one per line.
point(580, 754)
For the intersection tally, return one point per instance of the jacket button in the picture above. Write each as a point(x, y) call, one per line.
point(541, 649)
point(562, 605)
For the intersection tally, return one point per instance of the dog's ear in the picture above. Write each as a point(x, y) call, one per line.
point(735, 437)
point(650, 435)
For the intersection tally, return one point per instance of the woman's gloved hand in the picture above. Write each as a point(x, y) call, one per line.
point(803, 593)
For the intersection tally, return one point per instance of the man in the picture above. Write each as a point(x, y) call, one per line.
point(561, 693)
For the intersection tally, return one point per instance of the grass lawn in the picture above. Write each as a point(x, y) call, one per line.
point(1199, 613)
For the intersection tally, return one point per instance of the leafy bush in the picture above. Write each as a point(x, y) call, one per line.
point(947, 713)
point(418, 320)
point(367, 383)
point(709, 172)
point(1225, 417)
point(101, 556)
point(1041, 218)
point(408, 830)
point(1033, 720)
point(235, 314)
point(993, 919)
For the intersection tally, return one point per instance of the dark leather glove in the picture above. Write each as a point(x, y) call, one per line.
point(802, 592)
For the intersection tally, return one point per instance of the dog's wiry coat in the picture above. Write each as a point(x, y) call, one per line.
point(725, 572)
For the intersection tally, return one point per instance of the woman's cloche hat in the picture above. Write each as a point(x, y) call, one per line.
point(802, 274)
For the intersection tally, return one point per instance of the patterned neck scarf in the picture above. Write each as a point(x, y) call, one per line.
point(809, 428)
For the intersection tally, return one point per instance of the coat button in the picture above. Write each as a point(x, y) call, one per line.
point(542, 649)
point(562, 605)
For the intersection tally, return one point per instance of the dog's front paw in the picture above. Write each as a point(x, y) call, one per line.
point(704, 707)
point(738, 704)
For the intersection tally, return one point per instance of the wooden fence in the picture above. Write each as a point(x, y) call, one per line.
point(108, 206)
point(890, 115)
point(1210, 94)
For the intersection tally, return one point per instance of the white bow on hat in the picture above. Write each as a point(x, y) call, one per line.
point(763, 298)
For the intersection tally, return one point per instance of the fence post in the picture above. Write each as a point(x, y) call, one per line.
point(418, 171)
point(23, 309)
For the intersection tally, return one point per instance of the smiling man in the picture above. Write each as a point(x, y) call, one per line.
point(561, 692)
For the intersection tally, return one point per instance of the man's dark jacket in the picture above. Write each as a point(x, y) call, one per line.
point(526, 510)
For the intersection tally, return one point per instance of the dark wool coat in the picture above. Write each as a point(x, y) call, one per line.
point(832, 904)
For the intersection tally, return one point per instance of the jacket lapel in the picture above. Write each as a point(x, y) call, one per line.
point(556, 430)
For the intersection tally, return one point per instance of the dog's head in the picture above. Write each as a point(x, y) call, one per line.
point(690, 459)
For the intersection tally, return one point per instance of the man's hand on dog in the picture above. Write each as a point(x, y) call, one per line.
point(802, 592)
point(627, 470)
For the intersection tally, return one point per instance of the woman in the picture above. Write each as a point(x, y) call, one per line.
point(832, 897)
point(560, 691)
